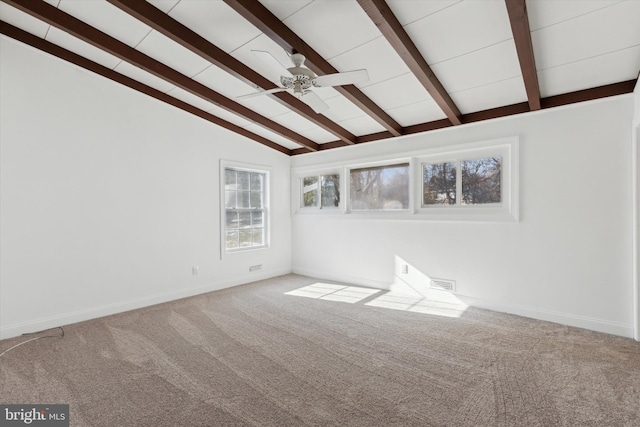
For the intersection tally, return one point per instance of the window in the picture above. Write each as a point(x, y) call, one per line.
point(481, 181)
point(245, 209)
point(463, 182)
point(473, 181)
point(379, 188)
point(439, 184)
point(321, 191)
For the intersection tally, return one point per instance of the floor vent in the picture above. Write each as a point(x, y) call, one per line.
point(443, 285)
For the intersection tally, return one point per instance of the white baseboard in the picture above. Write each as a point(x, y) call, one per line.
point(62, 319)
point(568, 319)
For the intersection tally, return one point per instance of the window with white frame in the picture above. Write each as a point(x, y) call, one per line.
point(474, 181)
point(379, 188)
point(245, 209)
point(320, 191)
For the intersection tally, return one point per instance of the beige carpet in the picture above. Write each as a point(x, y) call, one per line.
point(256, 356)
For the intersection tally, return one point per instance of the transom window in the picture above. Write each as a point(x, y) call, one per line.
point(380, 188)
point(245, 209)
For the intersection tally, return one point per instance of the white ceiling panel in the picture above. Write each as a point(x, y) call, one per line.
point(397, 92)
point(304, 127)
point(223, 82)
point(326, 93)
point(377, 57)
point(192, 99)
point(143, 76)
point(462, 28)
point(362, 125)
point(498, 94)
point(172, 54)
point(318, 135)
point(259, 130)
point(598, 71)
point(230, 117)
point(579, 39)
point(108, 19)
point(340, 108)
point(333, 27)
point(216, 22)
point(408, 11)
point(164, 5)
point(24, 21)
point(264, 105)
point(484, 66)
point(76, 45)
point(285, 8)
point(421, 112)
point(546, 13)
point(294, 121)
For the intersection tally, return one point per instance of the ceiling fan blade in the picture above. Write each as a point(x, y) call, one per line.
point(263, 92)
point(314, 101)
point(339, 79)
point(272, 63)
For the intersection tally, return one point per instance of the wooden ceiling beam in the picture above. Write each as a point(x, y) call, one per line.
point(392, 30)
point(591, 94)
point(52, 49)
point(163, 23)
point(276, 30)
point(519, 20)
point(91, 35)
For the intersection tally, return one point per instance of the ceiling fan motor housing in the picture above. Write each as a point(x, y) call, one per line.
point(300, 80)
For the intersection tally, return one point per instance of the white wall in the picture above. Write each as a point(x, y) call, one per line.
point(568, 259)
point(108, 197)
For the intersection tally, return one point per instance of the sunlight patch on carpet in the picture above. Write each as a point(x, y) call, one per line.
point(434, 303)
point(326, 291)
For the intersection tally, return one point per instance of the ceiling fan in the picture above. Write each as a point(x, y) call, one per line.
point(301, 80)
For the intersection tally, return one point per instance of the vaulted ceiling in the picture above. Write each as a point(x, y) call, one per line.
point(431, 63)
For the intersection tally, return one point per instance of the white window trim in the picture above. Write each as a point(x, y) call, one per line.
point(248, 167)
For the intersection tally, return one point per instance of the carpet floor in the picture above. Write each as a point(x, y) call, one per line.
point(290, 351)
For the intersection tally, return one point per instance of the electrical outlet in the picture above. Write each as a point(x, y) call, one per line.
point(405, 269)
point(195, 270)
point(255, 267)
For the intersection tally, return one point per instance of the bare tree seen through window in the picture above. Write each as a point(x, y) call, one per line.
point(481, 181)
point(380, 188)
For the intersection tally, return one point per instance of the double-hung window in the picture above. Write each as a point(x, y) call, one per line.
point(245, 209)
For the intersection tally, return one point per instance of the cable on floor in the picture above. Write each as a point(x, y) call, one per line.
point(34, 339)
